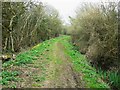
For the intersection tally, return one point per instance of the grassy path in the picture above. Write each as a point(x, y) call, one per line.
point(61, 73)
point(51, 64)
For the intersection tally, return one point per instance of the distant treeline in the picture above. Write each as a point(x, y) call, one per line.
point(25, 24)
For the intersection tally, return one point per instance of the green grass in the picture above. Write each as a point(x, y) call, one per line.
point(9, 76)
point(91, 78)
point(111, 77)
point(27, 57)
point(22, 59)
point(39, 78)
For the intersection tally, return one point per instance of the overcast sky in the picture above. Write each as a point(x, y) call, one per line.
point(67, 8)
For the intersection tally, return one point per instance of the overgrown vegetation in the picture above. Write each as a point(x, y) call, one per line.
point(23, 59)
point(111, 77)
point(89, 75)
point(95, 33)
point(25, 24)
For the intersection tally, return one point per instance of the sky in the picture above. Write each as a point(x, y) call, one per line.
point(67, 8)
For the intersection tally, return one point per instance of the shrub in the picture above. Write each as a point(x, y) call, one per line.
point(96, 33)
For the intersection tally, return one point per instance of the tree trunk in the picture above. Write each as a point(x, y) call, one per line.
point(12, 43)
point(6, 43)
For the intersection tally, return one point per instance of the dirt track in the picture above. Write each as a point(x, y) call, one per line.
point(60, 71)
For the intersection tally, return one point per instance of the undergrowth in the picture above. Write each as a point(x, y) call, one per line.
point(111, 77)
point(90, 76)
point(22, 59)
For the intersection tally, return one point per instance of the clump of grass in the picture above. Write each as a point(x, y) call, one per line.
point(111, 77)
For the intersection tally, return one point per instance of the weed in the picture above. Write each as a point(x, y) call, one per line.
point(9, 76)
point(111, 77)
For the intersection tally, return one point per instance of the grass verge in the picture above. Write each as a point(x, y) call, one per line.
point(91, 78)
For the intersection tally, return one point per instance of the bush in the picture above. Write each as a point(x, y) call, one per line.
point(97, 33)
